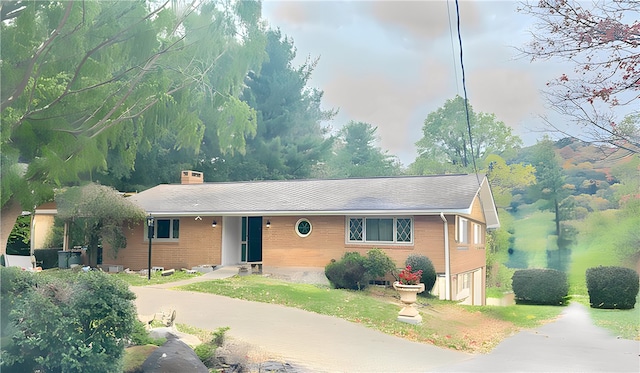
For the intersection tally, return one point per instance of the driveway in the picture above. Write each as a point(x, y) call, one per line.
point(327, 344)
point(570, 344)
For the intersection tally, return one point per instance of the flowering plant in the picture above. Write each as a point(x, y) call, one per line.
point(408, 277)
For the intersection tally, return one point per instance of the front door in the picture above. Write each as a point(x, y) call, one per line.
point(254, 239)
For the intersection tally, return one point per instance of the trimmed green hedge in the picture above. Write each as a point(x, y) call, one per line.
point(612, 287)
point(540, 286)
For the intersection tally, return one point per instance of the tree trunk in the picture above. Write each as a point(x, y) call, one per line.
point(557, 208)
point(8, 216)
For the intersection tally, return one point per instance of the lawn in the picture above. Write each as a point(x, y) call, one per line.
point(532, 230)
point(445, 324)
point(133, 279)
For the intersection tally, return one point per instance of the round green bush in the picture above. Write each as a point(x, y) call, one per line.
point(421, 262)
point(378, 264)
point(540, 286)
point(348, 273)
point(612, 287)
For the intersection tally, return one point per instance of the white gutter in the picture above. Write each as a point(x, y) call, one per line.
point(447, 260)
point(308, 213)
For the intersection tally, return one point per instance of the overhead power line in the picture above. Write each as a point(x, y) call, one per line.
point(464, 89)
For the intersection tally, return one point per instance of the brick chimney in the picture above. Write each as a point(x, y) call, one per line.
point(191, 177)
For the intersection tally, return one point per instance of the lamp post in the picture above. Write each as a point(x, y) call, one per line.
point(149, 236)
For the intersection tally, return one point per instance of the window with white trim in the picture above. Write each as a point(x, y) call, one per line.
point(463, 230)
point(165, 229)
point(477, 234)
point(303, 227)
point(380, 229)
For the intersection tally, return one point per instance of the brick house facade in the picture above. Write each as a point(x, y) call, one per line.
point(307, 223)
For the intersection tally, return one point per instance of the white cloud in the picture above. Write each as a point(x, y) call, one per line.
point(390, 63)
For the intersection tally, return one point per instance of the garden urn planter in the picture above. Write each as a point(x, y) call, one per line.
point(408, 296)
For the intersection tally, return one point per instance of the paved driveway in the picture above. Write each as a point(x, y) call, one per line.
point(317, 342)
point(327, 344)
point(570, 344)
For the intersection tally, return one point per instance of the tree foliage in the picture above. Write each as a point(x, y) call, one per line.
point(506, 178)
point(79, 324)
point(445, 145)
point(290, 138)
point(601, 40)
point(550, 183)
point(101, 213)
point(88, 86)
point(357, 155)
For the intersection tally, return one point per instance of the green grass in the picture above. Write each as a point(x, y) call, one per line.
point(523, 316)
point(351, 305)
point(156, 278)
point(135, 356)
point(532, 229)
point(131, 279)
point(376, 308)
point(622, 323)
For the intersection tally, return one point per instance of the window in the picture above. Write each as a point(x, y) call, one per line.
point(393, 230)
point(463, 230)
point(303, 227)
point(477, 234)
point(168, 229)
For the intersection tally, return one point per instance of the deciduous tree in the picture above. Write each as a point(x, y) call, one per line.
point(505, 178)
point(446, 146)
point(601, 40)
point(101, 213)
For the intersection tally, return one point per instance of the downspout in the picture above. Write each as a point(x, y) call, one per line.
point(447, 260)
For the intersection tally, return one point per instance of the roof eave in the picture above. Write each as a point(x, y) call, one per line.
point(462, 211)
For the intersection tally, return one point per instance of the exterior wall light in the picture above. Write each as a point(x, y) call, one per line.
point(214, 224)
point(268, 225)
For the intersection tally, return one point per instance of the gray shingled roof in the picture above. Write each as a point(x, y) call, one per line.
point(416, 195)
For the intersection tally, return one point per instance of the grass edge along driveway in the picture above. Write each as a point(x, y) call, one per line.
point(445, 324)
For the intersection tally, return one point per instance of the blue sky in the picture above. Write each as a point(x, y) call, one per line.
point(391, 63)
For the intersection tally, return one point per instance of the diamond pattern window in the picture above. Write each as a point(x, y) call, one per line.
point(375, 229)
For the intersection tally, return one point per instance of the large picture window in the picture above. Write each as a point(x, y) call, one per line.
point(386, 229)
point(168, 229)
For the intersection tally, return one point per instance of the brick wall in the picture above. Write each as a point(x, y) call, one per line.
point(199, 243)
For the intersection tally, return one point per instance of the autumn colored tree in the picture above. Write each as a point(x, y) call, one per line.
point(506, 178)
point(601, 39)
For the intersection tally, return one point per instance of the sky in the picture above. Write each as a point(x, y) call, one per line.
point(391, 63)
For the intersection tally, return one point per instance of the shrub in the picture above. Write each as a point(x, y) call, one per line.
point(79, 324)
point(612, 287)
point(207, 351)
point(140, 336)
point(540, 286)
point(348, 273)
point(424, 264)
point(378, 264)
